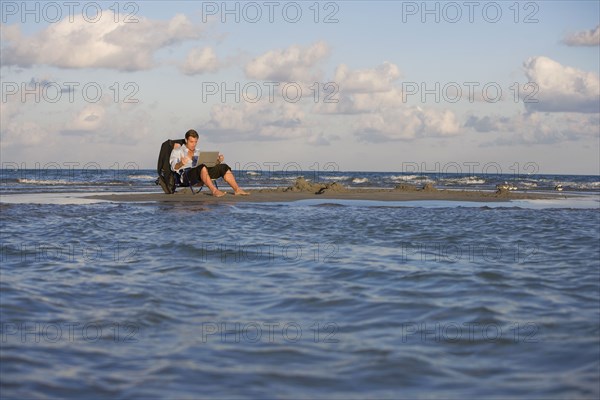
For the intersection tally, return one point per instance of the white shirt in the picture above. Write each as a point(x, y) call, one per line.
point(178, 154)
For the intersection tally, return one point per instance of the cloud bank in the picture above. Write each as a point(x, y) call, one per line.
point(103, 44)
point(562, 88)
point(584, 38)
point(293, 64)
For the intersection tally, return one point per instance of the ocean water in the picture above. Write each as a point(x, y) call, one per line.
point(310, 299)
point(52, 177)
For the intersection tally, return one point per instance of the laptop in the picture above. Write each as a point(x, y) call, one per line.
point(208, 158)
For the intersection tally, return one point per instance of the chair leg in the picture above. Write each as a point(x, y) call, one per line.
point(214, 183)
point(187, 178)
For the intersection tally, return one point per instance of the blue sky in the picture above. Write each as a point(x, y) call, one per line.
point(394, 84)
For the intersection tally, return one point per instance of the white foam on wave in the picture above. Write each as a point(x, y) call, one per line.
point(62, 182)
point(360, 180)
point(467, 180)
point(472, 180)
point(46, 182)
point(529, 184)
point(577, 185)
point(336, 178)
point(142, 177)
point(286, 178)
point(405, 178)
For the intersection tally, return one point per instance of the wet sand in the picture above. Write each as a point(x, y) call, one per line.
point(303, 190)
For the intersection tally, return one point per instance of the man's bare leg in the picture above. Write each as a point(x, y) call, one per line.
point(230, 179)
point(209, 183)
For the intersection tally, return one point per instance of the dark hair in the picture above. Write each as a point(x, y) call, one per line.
point(191, 133)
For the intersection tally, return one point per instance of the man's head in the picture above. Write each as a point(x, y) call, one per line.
point(191, 139)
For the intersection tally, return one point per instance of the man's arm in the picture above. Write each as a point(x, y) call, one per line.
point(174, 160)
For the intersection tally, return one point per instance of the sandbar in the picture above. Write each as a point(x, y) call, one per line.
point(303, 190)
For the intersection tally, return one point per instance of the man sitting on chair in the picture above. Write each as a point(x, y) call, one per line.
point(182, 158)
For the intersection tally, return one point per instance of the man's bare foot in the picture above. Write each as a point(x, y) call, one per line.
point(218, 193)
point(241, 192)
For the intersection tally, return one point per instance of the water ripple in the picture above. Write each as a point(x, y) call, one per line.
point(271, 301)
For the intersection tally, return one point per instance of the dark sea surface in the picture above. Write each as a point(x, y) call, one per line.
point(310, 299)
point(52, 177)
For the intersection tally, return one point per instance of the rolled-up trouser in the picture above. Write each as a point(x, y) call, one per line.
point(193, 174)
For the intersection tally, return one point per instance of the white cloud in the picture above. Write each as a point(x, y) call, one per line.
point(379, 79)
point(106, 122)
point(363, 91)
point(584, 38)
point(200, 61)
point(34, 128)
point(103, 44)
point(537, 128)
point(23, 135)
point(9, 107)
point(564, 97)
point(407, 123)
point(359, 103)
point(294, 64)
point(561, 88)
point(259, 121)
point(383, 114)
point(19, 128)
point(89, 119)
